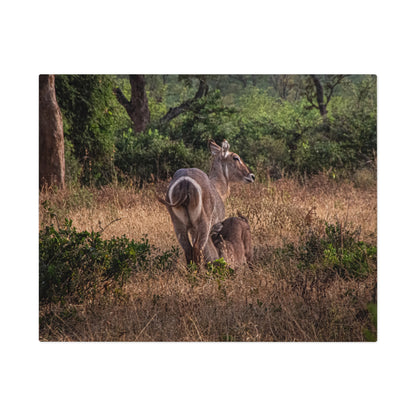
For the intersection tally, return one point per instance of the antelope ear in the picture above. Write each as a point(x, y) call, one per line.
point(215, 149)
point(240, 215)
point(216, 228)
point(225, 148)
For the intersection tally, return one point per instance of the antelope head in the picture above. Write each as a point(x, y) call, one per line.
point(228, 166)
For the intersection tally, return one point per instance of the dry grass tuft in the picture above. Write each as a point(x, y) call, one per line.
point(275, 301)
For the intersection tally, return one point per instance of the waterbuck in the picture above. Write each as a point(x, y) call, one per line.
point(195, 200)
point(232, 239)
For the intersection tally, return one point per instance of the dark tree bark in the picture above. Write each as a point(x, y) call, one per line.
point(137, 108)
point(185, 106)
point(51, 135)
point(320, 95)
point(323, 92)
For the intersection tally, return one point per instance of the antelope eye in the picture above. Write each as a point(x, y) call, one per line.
point(236, 158)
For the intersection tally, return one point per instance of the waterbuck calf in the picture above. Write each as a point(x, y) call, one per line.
point(195, 200)
point(232, 239)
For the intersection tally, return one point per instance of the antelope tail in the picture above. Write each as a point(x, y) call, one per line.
point(179, 202)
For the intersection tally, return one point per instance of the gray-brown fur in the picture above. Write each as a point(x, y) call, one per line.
point(195, 201)
point(232, 239)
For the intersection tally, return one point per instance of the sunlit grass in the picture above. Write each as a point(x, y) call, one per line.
point(275, 301)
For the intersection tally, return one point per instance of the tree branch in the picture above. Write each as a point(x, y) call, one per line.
point(309, 97)
point(122, 99)
point(186, 105)
point(331, 86)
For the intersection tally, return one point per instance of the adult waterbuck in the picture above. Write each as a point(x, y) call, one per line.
point(195, 200)
point(232, 239)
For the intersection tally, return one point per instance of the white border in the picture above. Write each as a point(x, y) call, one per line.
point(216, 37)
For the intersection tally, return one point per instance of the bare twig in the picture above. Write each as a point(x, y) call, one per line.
point(103, 229)
point(144, 328)
point(197, 330)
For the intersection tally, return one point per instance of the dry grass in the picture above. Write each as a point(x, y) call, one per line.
point(274, 301)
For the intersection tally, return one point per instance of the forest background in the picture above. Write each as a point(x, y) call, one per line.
point(279, 124)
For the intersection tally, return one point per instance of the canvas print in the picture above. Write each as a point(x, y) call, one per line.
point(208, 208)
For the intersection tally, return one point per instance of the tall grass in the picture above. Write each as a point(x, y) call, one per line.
point(283, 298)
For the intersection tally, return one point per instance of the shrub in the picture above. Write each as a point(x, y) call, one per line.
point(77, 265)
point(219, 269)
point(318, 154)
point(207, 119)
point(353, 122)
point(269, 157)
point(152, 155)
point(270, 132)
point(370, 333)
point(73, 168)
point(338, 251)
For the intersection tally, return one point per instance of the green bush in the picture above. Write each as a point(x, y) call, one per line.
point(92, 119)
point(318, 154)
point(73, 168)
point(370, 333)
point(219, 269)
point(353, 122)
point(338, 251)
point(270, 132)
point(346, 254)
point(152, 155)
point(297, 138)
point(268, 156)
point(77, 265)
point(207, 119)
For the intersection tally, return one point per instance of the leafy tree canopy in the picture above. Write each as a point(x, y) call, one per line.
point(293, 123)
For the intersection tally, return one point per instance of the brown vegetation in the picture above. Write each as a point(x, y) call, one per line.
point(274, 301)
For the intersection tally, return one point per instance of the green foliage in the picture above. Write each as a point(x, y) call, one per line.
point(167, 260)
point(353, 122)
point(370, 334)
point(152, 155)
point(289, 134)
point(219, 269)
point(207, 118)
point(270, 131)
point(156, 97)
point(318, 154)
point(269, 156)
point(73, 167)
point(338, 251)
point(266, 119)
point(75, 265)
point(92, 120)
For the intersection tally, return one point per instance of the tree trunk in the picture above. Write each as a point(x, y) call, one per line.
point(51, 135)
point(320, 96)
point(137, 108)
